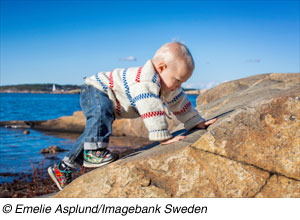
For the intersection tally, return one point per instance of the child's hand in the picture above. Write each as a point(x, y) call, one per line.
point(172, 140)
point(205, 124)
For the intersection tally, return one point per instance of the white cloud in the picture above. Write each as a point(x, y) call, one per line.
point(130, 58)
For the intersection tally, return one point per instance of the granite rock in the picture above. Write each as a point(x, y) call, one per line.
point(280, 187)
point(176, 170)
point(264, 129)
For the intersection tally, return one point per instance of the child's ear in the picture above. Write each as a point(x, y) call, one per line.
point(161, 67)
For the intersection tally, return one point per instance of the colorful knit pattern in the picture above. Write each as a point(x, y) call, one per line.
point(155, 77)
point(118, 108)
point(136, 92)
point(153, 114)
point(111, 86)
point(184, 109)
point(127, 90)
point(144, 96)
point(101, 83)
point(176, 98)
point(138, 75)
point(111, 81)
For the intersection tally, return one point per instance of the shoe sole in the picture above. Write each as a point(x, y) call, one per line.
point(88, 164)
point(53, 177)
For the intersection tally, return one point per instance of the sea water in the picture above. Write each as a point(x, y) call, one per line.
point(19, 152)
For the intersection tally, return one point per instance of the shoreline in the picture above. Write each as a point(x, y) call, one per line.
point(77, 91)
point(34, 185)
point(38, 183)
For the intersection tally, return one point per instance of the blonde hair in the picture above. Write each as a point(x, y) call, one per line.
point(170, 51)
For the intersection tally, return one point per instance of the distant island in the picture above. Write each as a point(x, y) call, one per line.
point(41, 88)
point(58, 89)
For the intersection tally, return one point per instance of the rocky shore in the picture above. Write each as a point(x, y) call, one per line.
point(76, 124)
point(35, 185)
point(254, 151)
point(38, 183)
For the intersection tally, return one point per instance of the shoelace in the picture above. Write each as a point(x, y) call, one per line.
point(101, 153)
point(68, 176)
point(68, 173)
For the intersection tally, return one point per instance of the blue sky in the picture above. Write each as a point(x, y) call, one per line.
point(63, 41)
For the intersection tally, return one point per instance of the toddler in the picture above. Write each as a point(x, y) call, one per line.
point(131, 93)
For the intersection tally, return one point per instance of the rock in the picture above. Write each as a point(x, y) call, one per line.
point(260, 131)
point(26, 132)
point(239, 92)
point(170, 171)
point(136, 127)
point(252, 152)
point(52, 150)
point(260, 134)
point(76, 124)
point(279, 187)
point(14, 124)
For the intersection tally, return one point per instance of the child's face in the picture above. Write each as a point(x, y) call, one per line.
point(173, 75)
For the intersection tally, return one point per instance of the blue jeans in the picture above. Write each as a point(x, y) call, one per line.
point(99, 114)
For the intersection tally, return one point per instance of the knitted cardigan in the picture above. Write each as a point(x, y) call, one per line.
point(135, 92)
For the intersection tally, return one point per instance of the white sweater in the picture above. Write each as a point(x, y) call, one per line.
point(135, 92)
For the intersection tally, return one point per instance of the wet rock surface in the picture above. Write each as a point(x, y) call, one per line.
point(26, 132)
point(38, 183)
point(252, 152)
point(52, 150)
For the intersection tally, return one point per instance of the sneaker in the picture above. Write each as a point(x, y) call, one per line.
point(98, 158)
point(61, 174)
